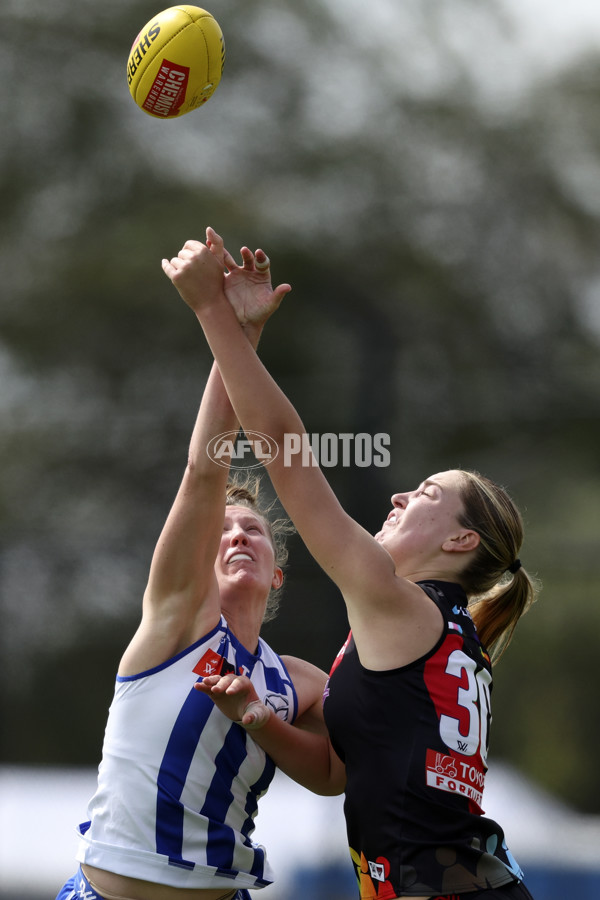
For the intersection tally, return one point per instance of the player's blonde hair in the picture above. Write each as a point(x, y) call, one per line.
point(499, 589)
point(244, 490)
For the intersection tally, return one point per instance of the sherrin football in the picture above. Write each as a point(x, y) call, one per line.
point(176, 62)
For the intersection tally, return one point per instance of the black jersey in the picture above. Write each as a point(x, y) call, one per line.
point(414, 741)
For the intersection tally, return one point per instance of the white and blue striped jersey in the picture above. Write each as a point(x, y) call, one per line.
point(179, 783)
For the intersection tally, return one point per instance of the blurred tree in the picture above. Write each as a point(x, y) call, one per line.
point(433, 201)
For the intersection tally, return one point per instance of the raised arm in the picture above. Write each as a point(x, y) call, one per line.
point(181, 601)
point(362, 569)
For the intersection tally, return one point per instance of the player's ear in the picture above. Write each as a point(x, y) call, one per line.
point(277, 578)
point(462, 542)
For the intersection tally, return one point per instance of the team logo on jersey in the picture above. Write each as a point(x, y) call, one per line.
point(279, 704)
point(373, 876)
point(377, 870)
point(212, 664)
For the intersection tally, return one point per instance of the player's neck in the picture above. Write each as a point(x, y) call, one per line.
point(244, 620)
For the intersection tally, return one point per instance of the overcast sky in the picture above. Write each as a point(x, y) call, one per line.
point(555, 30)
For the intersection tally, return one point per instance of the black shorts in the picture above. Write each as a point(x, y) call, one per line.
point(514, 891)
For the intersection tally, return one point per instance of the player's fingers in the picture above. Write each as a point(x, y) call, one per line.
point(229, 260)
point(222, 682)
point(210, 680)
point(213, 237)
point(171, 266)
point(247, 258)
point(214, 242)
point(256, 714)
point(281, 290)
point(191, 252)
point(261, 261)
point(236, 685)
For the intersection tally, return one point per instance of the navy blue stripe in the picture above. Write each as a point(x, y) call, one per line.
point(173, 773)
point(221, 838)
point(273, 680)
point(256, 791)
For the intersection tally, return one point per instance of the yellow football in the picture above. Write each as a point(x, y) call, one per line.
point(176, 62)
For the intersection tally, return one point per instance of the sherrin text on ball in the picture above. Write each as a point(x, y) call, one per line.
point(176, 61)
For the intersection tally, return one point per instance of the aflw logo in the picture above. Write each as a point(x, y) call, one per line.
point(232, 449)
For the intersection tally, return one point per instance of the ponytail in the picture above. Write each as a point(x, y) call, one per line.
point(499, 589)
point(497, 613)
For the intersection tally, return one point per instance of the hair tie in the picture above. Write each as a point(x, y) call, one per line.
point(514, 567)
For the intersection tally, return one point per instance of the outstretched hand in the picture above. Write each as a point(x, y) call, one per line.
point(201, 272)
point(237, 699)
point(247, 287)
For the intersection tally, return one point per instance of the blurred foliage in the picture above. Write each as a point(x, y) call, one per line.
point(434, 202)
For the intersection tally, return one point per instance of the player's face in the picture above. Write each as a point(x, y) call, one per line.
point(246, 554)
point(421, 521)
